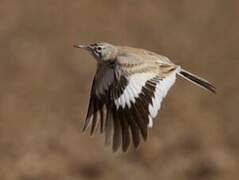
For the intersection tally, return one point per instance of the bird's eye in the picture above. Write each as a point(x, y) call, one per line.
point(99, 48)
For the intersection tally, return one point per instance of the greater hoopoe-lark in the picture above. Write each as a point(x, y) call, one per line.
point(127, 91)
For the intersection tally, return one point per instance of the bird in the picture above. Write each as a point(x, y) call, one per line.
point(127, 91)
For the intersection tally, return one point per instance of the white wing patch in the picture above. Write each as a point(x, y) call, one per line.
point(135, 84)
point(133, 89)
point(162, 88)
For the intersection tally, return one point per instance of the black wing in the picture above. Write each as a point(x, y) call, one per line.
point(125, 107)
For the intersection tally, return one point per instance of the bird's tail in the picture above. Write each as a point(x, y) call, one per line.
point(197, 80)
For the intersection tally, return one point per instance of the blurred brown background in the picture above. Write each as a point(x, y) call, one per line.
point(45, 85)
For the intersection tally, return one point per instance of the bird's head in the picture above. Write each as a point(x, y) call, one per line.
point(101, 51)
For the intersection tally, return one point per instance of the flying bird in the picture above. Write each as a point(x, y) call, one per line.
point(127, 91)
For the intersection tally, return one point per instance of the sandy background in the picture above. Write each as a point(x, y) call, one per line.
point(45, 85)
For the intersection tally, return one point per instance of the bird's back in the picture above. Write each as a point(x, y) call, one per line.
point(135, 60)
point(144, 55)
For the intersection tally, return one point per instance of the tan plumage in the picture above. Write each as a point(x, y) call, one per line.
point(128, 89)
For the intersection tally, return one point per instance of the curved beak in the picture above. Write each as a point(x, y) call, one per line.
point(82, 46)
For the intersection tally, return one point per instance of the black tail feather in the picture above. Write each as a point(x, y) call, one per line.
point(198, 81)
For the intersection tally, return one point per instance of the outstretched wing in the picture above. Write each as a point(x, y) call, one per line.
point(126, 105)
